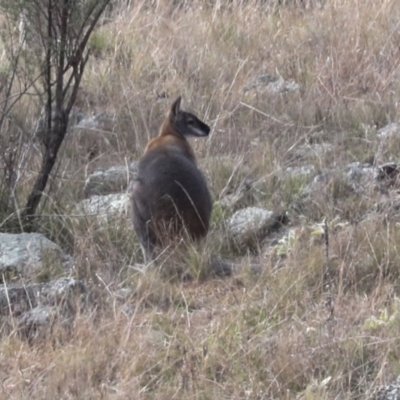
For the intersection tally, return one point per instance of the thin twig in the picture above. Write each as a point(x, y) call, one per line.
point(328, 275)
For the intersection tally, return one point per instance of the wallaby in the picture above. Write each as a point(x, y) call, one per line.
point(170, 198)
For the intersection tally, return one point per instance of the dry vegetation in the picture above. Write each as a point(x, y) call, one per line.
point(251, 336)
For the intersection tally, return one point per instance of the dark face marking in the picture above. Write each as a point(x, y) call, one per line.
point(186, 123)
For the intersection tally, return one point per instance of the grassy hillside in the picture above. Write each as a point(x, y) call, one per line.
point(251, 336)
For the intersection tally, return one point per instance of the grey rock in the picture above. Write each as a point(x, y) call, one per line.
point(75, 117)
point(78, 120)
point(38, 316)
point(98, 121)
point(388, 207)
point(304, 170)
point(389, 130)
point(271, 84)
point(357, 176)
point(105, 207)
point(24, 253)
point(360, 177)
point(250, 225)
point(317, 184)
point(18, 299)
point(386, 392)
point(123, 293)
point(265, 79)
point(223, 268)
point(111, 180)
point(56, 292)
point(320, 185)
point(312, 150)
point(283, 86)
point(37, 322)
point(36, 306)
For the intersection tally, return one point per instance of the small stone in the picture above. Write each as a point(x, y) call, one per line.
point(38, 316)
point(18, 299)
point(312, 150)
point(98, 121)
point(111, 180)
point(271, 84)
point(24, 253)
point(304, 170)
point(250, 225)
point(105, 207)
point(389, 130)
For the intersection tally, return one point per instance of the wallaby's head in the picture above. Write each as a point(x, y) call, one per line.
point(185, 123)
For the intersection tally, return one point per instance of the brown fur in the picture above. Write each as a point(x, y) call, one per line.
point(164, 141)
point(170, 198)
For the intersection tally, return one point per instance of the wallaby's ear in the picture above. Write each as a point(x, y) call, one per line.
point(175, 108)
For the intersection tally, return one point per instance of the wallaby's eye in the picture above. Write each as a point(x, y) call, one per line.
point(190, 122)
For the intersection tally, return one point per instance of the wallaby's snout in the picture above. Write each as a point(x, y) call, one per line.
point(170, 198)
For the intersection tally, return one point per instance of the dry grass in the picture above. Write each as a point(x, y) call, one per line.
point(249, 336)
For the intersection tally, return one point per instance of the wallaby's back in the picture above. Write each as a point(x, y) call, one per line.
point(170, 196)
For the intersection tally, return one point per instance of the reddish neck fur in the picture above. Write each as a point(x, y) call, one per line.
point(167, 129)
point(168, 136)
